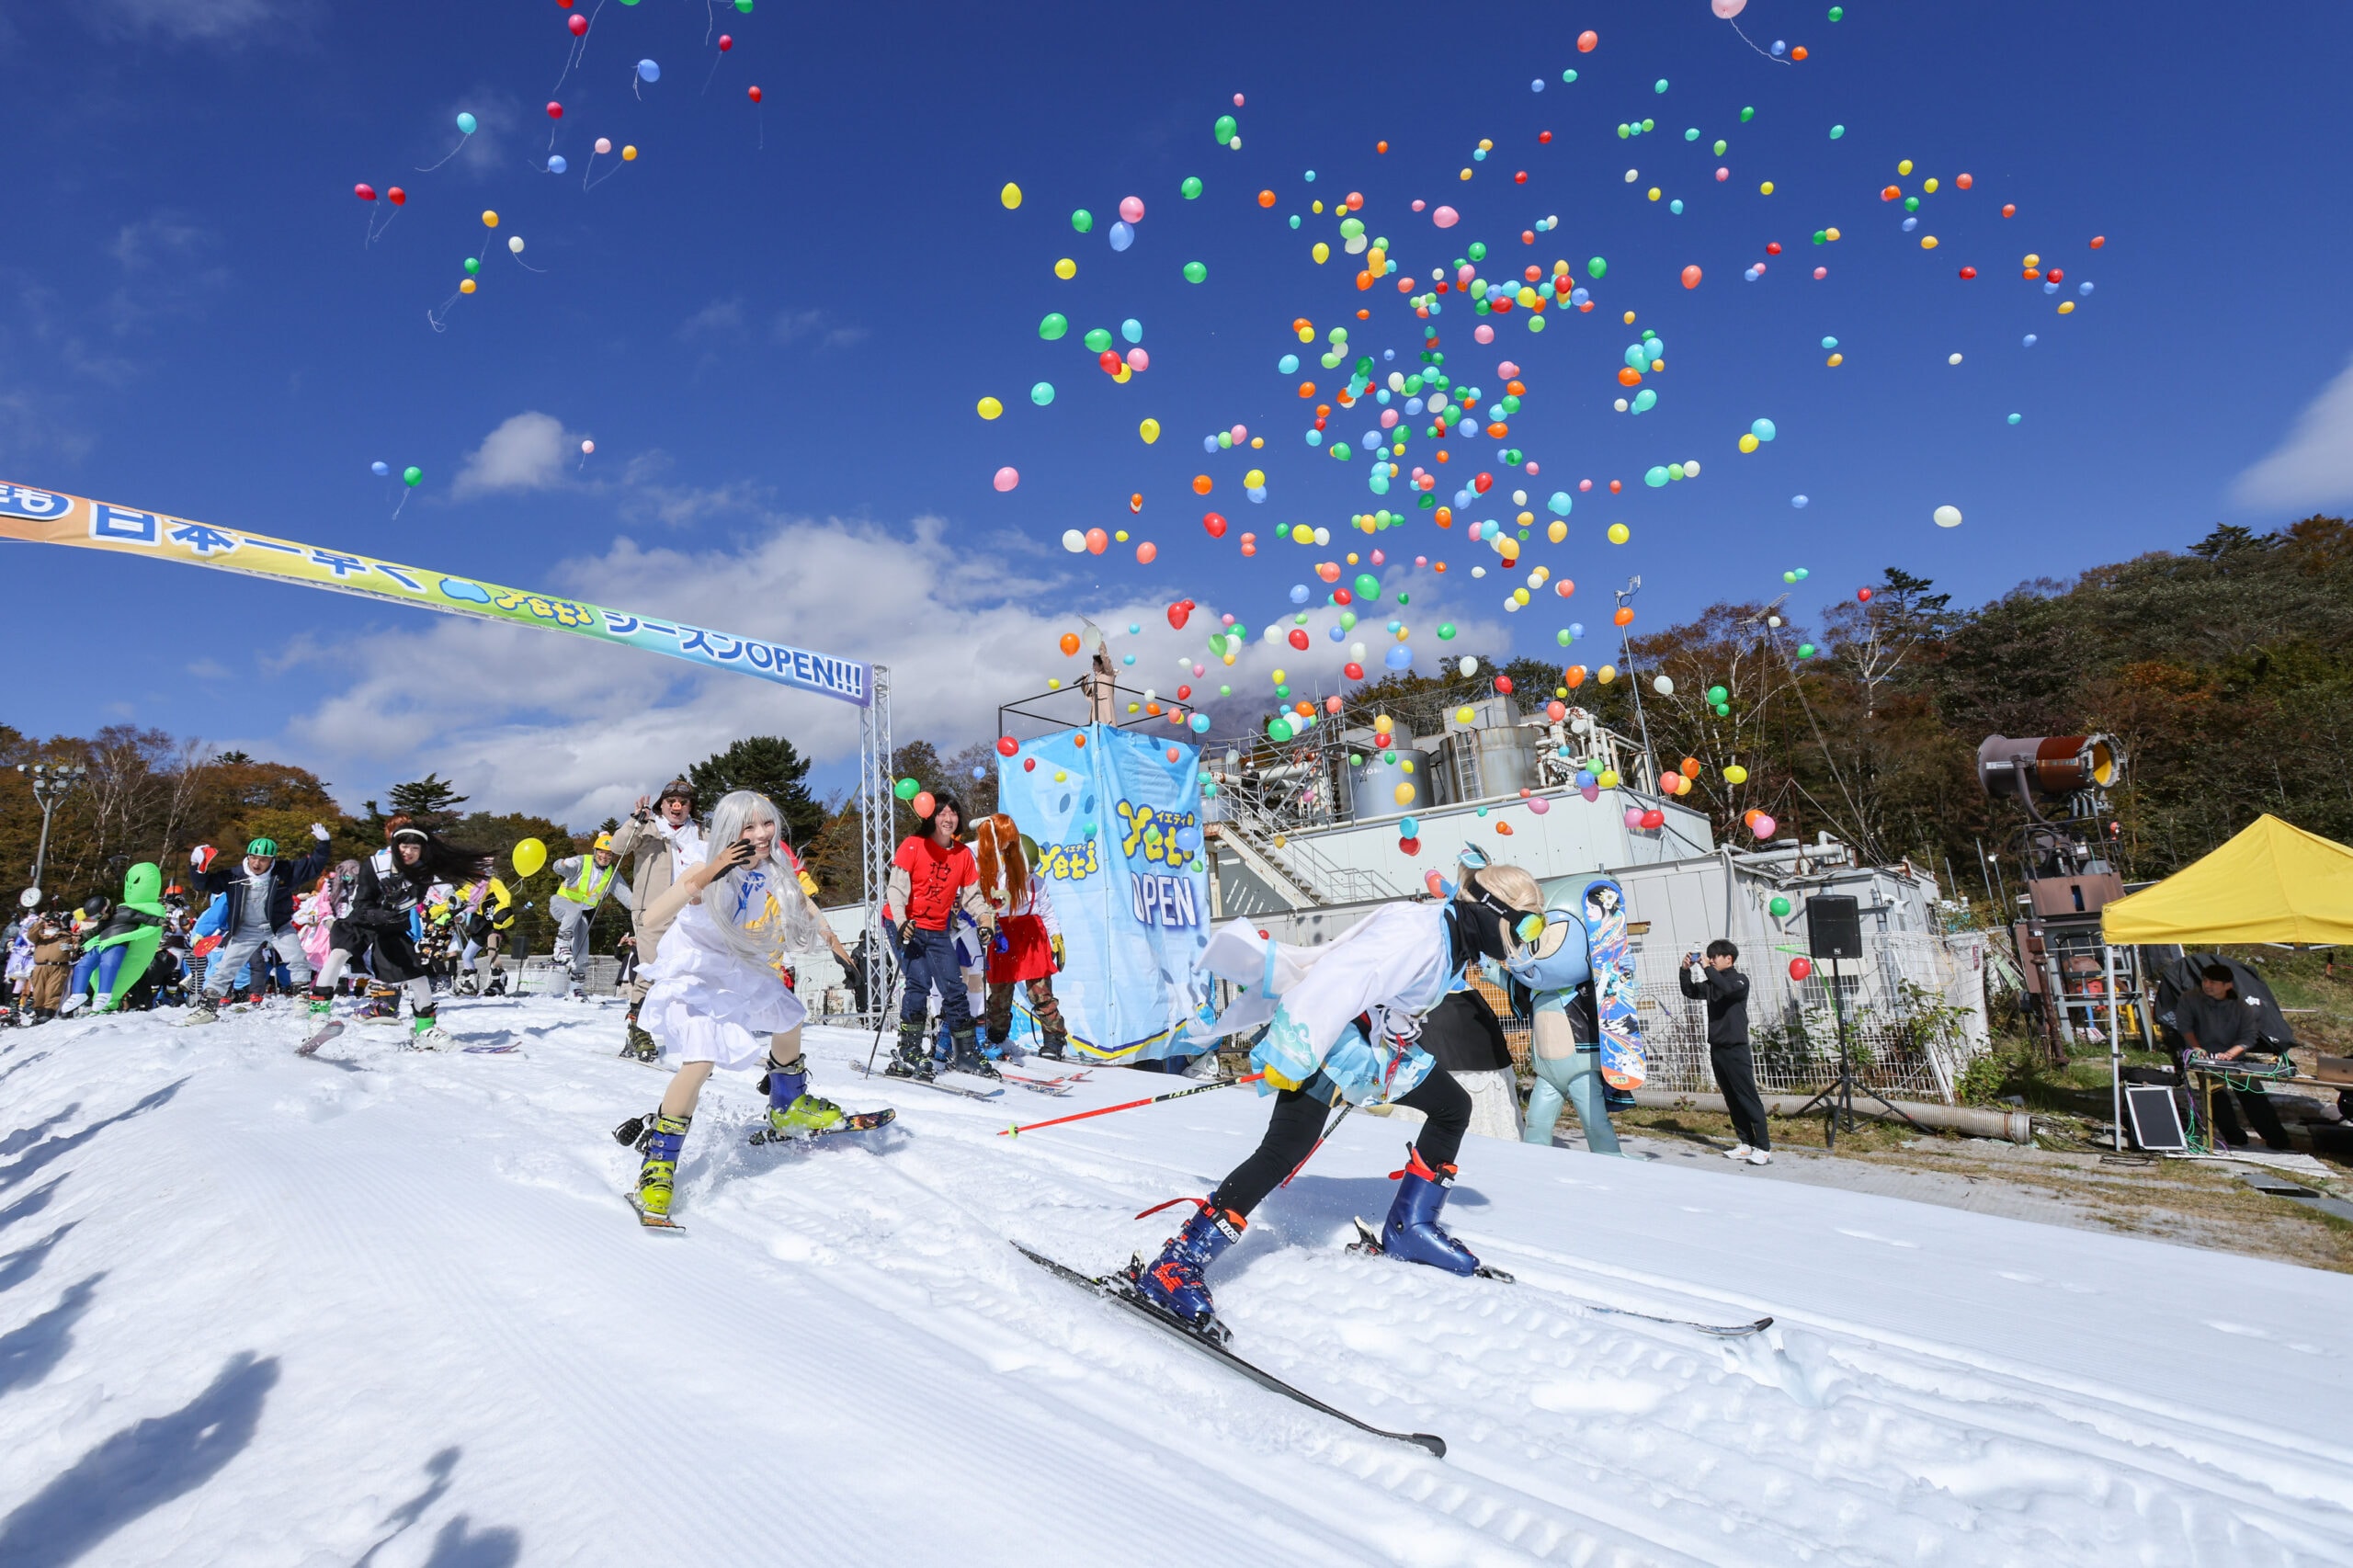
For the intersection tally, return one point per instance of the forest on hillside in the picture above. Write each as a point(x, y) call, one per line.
point(2225, 669)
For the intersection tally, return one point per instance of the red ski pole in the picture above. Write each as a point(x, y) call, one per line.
point(1155, 1100)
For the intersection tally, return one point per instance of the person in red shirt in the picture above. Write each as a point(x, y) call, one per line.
point(932, 877)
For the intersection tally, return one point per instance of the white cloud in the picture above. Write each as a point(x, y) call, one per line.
point(204, 21)
point(2314, 467)
point(818, 327)
point(547, 723)
point(719, 316)
point(528, 452)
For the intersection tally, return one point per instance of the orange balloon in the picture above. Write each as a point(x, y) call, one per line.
point(1070, 644)
point(1200, 484)
point(1266, 198)
point(1145, 552)
point(1690, 768)
point(1691, 277)
point(1097, 541)
point(1573, 677)
point(1625, 616)
point(1588, 41)
point(1629, 377)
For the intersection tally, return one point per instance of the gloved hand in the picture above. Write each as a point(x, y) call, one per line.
point(319, 832)
point(907, 929)
point(1055, 942)
point(200, 857)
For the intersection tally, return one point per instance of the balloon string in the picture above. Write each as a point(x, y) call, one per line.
point(404, 501)
point(1752, 44)
point(525, 265)
point(714, 70)
point(463, 137)
point(376, 229)
point(609, 174)
point(435, 316)
point(586, 169)
point(709, 19)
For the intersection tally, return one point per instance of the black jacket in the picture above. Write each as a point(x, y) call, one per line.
point(284, 880)
point(1726, 994)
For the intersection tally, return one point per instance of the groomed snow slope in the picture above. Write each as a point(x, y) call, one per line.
point(392, 1309)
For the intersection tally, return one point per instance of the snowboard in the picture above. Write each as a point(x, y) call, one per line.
point(325, 1033)
point(1604, 908)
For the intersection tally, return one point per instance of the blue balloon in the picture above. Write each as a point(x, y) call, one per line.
point(1799, 502)
point(380, 470)
point(1288, 364)
point(2030, 341)
point(2086, 290)
point(1409, 827)
point(1398, 657)
point(2015, 417)
point(1576, 629)
point(1122, 236)
point(1561, 503)
point(1133, 330)
point(466, 124)
point(648, 71)
point(556, 164)
point(1299, 593)
point(1763, 430)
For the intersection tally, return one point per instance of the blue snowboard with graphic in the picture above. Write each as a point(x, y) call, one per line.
point(1604, 908)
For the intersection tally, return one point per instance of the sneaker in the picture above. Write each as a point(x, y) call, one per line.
point(104, 1000)
point(1738, 1151)
point(202, 1013)
point(1759, 1157)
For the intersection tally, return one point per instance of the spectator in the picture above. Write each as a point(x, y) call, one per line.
point(2220, 1025)
point(1712, 978)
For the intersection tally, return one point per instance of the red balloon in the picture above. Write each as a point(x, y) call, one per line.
point(1215, 524)
point(1502, 684)
point(555, 110)
point(755, 94)
point(579, 24)
point(1355, 671)
point(365, 192)
point(1110, 362)
point(726, 43)
point(1184, 693)
point(1178, 613)
point(1484, 482)
point(1410, 846)
point(1006, 745)
point(1342, 597)
point(1653, 819)
point(1800, 969)
point(1298, 637)
point(397, 197)
point(1029, 764)
point(1864, 594)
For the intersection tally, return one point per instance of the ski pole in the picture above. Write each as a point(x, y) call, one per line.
point(1154, 1099)
point(883, 1020)
point(1346, 1107)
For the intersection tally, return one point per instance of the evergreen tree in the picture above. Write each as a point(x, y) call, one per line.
point(431, 800)
point(772, 766)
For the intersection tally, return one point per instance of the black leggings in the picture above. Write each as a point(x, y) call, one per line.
point(1298, 1121)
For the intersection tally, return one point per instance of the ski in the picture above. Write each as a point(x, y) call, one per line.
point(310, 1047)
point(492, 1050)
point(859, 1122)
point(1369, 1244)
point(655, 1221)
point(928, 1084)
point(1035, 1085)
point(1117, 1288)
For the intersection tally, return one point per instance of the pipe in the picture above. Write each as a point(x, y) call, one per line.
point(2015, 1126)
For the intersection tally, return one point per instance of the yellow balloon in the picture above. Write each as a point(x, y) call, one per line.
point(1255, 477)
point(1053, 682)
point(1735, 774)
point(1302, 534)
point(1278, 677)
point(1606, 674)
point(1323, 253)
point(1065, 269)
point(1402, 794)
point(1558, 531)
point(1148, 430)
point(629, 154)
point(1464, 715)
point(1520, 596)
point(2066, 307)
point(529, 856)
point(1011, 196)
point(1765, 189)
point(1120, 377)
point(1930, 187)
point(1904, 167)
point(990, 408)
point(1619, 533)
point(1384, 724)
point(1927, 241)
point(465, 286)
point(1836, 360)
point(1408, 766)
point(489, 219)
point(1608, 777)
point(1747, 442)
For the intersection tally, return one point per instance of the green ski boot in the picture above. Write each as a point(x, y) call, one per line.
point(664, 1137)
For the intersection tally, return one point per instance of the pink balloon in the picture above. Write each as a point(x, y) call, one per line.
point(1419, 204)
point(1237, 100)
point(1008, 478)
point(604, 143)
point(1633, 816)
point(1538, 805)
point(1445, 217)
point(1507, 369)
point(1132, 208)
point(1584, 485)
point(1728, 9)
point(1591, 792)
point(1139, 360)
point(1820, 273)
point(1240, 433)
point(1762, 825)
point(1482, 332)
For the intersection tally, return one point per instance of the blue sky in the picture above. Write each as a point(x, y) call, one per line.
point(776, 322)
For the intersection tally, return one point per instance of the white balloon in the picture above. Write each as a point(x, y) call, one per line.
point(1664, 685)
point(515, 244)
point(1469, 667)
point(587, 447)
point(1074, 541)
point(1947, 516)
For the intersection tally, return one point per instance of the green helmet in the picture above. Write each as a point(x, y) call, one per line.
point(264, 846)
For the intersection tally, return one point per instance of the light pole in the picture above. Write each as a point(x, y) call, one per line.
point(51, 783)
point(1626, 651)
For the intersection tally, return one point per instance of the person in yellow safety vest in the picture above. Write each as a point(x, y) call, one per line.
point(482, 916)
point(584, 880)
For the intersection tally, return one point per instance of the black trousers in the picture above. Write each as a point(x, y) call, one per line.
point(1298, 1120)
point(2259, 1112)
point(1736, 1076)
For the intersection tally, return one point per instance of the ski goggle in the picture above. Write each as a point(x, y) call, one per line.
point(1528, 927)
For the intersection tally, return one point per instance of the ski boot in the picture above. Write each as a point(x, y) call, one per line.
point(1056, 1048)
point(322, 1005)
point(75, 1003)
point(424, 1033)
point(792, 1110)
point(636, 1044)
point(968, 1057)
point(661, 1139)
point(497, 986)
point(1412, 1232)
point(1173, 1281)
point(383, 1005)
point(910, 1060)
point(202, 1013)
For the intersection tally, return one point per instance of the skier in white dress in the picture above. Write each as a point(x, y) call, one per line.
point(718, 996)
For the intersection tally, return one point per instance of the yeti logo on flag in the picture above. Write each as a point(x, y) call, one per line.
point(1118, 826)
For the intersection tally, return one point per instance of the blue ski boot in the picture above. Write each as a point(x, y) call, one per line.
point(1412, 1232)
point(1173, 1281)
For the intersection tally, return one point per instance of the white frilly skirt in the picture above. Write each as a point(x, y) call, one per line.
point(716, 1007)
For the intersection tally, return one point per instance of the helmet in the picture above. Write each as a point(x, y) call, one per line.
point(265, 847)
point(603, 841)
point(679, 787)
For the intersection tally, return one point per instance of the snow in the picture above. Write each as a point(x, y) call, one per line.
point(390, 1308)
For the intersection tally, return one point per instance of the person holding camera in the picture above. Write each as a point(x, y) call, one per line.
point(1713, 979)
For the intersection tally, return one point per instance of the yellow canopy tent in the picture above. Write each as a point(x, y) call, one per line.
point(2274, 882)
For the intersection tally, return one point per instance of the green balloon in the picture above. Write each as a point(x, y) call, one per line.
point(744, 6)
point(1805, 650)
point(1083, 220)
point(1191, 187)
point(1595, 267)
point(1478, 250)
point(1367, 586)
point(1053, 326)
point(1446, 631)
point(1402, 597)
point(1279, 729)
point(1779, 905)
point(1720, 145)
point(473, 265)
point(1098, 339)
point(1746, 115)
point(1717, 694)
point(906, 789)
point(1195, 272)
point(1042, 394)
point(412, 475)
point(1225, 130)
